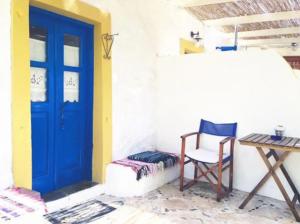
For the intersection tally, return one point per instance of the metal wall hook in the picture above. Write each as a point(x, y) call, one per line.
point(107, 42)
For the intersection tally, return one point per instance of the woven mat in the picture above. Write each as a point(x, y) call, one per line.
point(86, 212)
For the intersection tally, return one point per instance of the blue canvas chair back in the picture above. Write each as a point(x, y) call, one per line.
point(226, 130)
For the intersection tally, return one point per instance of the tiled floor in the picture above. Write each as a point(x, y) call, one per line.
point(198, 205)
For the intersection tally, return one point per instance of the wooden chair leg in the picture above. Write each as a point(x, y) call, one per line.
point(182, 164)
point(219, 186)
point(195, 173)
point(181, 174)
point(231, 165)
point(220, 167)
point(231, 176)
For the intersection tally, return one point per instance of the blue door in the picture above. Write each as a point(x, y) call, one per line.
point(61, 60)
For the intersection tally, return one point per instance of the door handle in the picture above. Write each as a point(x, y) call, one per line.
point(62, 115)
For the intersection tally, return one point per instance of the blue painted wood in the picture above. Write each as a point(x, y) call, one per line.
point(227, 48)
point(62, 131)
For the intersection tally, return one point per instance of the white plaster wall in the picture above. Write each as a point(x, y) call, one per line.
point(257, 89)
point(146, 29)
point(5, 97)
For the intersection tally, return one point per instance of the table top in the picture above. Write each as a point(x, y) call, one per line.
point(263, 140)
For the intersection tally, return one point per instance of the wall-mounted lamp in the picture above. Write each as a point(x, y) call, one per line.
point(196, 36)
point(107, 42)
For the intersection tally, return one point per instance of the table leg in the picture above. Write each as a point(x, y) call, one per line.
point(288, 178)
point(264, 179)
point(278, 182)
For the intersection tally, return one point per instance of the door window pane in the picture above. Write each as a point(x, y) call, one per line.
point(38, 85)
point(71, 86)
point(71, 50)
point(38, 38)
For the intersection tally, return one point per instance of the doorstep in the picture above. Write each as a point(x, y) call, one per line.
point(72, 195)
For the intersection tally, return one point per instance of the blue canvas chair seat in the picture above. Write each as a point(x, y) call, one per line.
point(208, 161)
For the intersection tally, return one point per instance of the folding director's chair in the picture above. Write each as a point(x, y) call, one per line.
point(206, 161)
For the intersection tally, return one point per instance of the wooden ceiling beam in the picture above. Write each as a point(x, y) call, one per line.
point(227, 21)
point(196, 3)
point(266, 32)
point(272, 41)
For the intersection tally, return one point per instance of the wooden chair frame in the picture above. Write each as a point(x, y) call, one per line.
point(219, 188)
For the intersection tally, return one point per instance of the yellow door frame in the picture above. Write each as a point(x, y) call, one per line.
point(21, 115)
point(188, 47)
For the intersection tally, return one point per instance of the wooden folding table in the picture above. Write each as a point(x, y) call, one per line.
point(286, 145)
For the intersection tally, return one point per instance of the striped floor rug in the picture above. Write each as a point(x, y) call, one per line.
point(87, 212)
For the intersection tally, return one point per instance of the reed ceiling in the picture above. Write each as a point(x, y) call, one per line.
point(264, 25)
point(244, 8)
